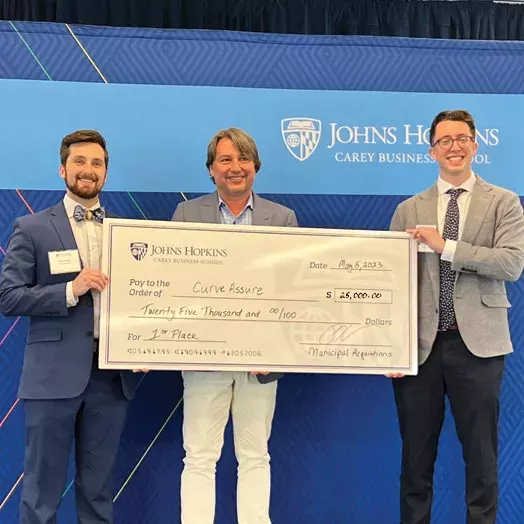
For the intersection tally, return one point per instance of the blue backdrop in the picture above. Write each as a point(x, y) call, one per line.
point(350, 142)
point(335, 445)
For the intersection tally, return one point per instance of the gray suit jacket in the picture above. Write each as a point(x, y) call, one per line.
point(490, 252)
point(265, 213)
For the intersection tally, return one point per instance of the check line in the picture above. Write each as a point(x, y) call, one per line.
point(229, 319)
point(349, 345)
point(356, 270)
point(248, 298)
point(184, 340)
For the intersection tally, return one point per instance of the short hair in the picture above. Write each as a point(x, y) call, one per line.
point(241, 140)
point(82, 136)
point(456, 115)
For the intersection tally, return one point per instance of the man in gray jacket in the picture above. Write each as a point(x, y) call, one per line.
point(233, 162)
point(475, 235)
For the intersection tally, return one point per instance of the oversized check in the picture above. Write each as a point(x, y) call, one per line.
point(219, 297)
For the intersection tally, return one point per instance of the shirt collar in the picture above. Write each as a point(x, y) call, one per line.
point(249, 203)
point(70, 205)
point(468, 185)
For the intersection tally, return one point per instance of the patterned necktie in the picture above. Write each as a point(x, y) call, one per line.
point(81, 213)
point(447, 275)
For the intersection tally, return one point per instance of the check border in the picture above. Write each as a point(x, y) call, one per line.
point(113, 224)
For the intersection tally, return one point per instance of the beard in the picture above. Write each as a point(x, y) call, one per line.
point(83, 192)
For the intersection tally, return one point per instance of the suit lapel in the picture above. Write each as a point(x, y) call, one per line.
point(480, 202)
point(426, 206)
point(62, 226)
point(208, 209)
point(262, 214)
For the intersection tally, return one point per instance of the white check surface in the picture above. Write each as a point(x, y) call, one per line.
point(219, 297)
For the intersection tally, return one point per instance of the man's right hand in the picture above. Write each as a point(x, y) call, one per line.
point(89, 279)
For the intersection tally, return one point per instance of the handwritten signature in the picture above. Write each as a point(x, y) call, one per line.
point(339, 333)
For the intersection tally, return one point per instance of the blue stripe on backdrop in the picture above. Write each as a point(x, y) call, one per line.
point(312, 142)
point(335, 443)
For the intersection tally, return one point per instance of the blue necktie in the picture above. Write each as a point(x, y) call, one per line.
point(447, 275)
point(81, 213)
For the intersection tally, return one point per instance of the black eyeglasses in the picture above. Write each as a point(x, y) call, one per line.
point(446, 142)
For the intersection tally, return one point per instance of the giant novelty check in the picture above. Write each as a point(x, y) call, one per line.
point(217, 297)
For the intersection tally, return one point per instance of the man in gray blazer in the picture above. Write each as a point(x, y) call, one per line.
point(475, 235)
point(233, 162)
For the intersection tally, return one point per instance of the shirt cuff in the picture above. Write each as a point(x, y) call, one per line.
point(70, 297)
point(449, 250)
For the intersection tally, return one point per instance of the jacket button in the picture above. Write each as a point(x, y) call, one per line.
point(89, 333)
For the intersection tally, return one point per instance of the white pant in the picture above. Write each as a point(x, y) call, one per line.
point(208, 397)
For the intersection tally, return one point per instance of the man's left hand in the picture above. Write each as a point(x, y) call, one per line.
point(260, 372)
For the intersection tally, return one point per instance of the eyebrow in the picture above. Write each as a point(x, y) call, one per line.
point(83, 157)
point(451, 136)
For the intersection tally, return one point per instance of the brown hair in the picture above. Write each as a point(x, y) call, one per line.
point(82, 136)
point(241, 140)
point(456, 115)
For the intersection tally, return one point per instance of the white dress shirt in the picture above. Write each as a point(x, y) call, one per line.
point(463, 201)
point(88, 236)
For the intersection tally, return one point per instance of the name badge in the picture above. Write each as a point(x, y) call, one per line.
point(64, 262)
point(422, 248)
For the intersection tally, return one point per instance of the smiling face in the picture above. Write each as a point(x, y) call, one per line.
point(85, 170)
point(453, 149)
point(233, 171)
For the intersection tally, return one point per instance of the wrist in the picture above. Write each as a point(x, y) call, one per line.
point(439, 248)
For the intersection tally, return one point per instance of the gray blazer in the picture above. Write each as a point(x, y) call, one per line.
point(490, 252)
point(265, 213)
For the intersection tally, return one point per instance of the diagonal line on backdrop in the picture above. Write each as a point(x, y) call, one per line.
point(30, 50)
point(11, 491)
point(13, 325)
point(136, 204)
point(142, 458)
point(8, 414)
point(22, 198)
point(4, 338)
point(86, 53)
point(104, 79)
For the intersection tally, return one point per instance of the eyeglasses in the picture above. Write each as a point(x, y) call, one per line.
point(447, 142)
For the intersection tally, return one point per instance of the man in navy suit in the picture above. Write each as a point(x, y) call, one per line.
point(51, 274)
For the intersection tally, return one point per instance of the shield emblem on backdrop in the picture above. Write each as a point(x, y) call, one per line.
point(138, 250)
point(301, 136)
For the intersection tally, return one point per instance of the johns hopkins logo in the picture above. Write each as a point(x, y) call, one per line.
point(138, 250)
point(301, 136)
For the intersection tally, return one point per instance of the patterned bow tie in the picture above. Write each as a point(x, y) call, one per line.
point(86, 214)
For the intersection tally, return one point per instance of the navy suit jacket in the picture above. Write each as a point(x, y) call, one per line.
point(59, 348)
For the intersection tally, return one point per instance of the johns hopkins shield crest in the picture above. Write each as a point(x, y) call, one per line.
point(138, 250)
point(301, 136)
